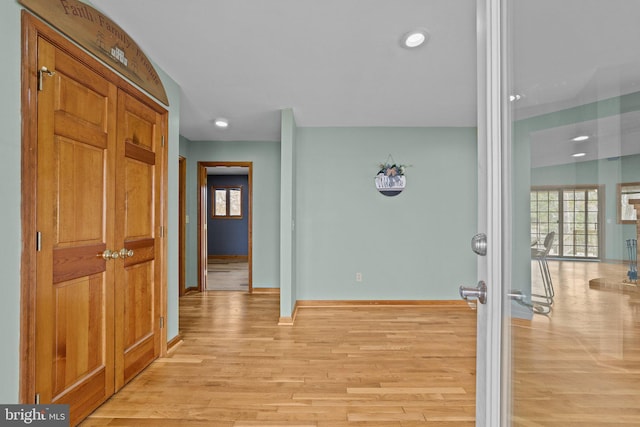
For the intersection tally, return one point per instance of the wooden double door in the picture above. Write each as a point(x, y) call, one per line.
point(99, 220)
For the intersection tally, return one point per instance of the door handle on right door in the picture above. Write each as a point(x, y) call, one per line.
point(517, 295)
point(479, 292)
point(124, 253)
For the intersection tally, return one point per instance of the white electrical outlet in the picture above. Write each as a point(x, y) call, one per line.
point(358, 277)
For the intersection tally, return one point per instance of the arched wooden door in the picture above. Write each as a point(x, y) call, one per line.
point(99, 215)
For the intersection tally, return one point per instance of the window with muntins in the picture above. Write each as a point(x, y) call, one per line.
point(574, 214)
point(227, 202)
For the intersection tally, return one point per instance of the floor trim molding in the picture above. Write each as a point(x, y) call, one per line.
point(228, 258)
point(174, 343)
point(368, 303)
point(272, 291)
point(289, 321)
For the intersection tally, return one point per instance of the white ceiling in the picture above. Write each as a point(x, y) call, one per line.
point(334, 62)
point(339, 62)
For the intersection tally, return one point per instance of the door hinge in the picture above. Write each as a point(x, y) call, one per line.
point(162, 231)
point(162, 140)
point(38, 241)
point(41, 73)
point(37, 399)
point(161, 322)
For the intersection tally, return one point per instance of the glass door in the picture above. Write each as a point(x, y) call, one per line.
point(559, 108)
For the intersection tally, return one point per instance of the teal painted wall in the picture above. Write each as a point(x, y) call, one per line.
point(288, 232)
point(10, 154)
point(266, 202)
point(173, 138)
point(10, 175)
point(411, 246)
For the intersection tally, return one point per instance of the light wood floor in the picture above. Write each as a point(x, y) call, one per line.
point(580, 366)
point(381, 366)
point(388, 366)
point(227, 275)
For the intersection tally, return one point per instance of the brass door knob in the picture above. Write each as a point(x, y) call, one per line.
point(107, 254)
point(124, 253)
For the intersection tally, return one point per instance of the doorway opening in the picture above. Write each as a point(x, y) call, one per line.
point(225, 226)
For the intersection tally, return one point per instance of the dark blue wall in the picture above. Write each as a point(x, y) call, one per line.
point(228, 236)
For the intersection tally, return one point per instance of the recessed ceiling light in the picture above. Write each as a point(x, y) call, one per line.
point(515, 97)
point(221, 122)
point(580, 138)
point(579, 155)
point(414, 38)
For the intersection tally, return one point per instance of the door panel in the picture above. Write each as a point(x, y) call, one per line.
point(80, 177)
point(138, 282)
point(139, 332)
point(77, 261)
point(79, 352)
point(139, 213)
point(139, 322)
point(74, 298)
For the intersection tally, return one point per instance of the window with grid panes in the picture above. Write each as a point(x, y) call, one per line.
point(545, 216)
point(574, 215)
point(227, 202)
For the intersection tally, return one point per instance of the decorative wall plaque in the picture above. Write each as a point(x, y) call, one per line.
point(102, 37)
point(390, 179)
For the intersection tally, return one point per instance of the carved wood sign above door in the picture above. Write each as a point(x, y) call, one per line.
point(102, 37)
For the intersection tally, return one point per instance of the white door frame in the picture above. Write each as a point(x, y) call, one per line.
point(493, 217)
